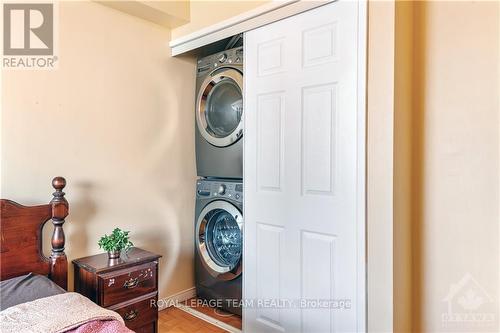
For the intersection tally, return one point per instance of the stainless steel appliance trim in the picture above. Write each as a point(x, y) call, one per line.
point(217, 271)
point(213, 79)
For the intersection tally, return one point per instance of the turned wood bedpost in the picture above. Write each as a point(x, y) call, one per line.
point(58, 260)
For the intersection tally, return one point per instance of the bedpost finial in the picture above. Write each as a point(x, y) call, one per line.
point(58, 183)
point(58, 260)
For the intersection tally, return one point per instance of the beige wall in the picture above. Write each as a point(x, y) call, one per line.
point(116, 120)
point(168, 14)
point(205, 13)
point(455, 155)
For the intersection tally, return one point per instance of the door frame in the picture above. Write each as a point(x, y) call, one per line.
point(361, 201)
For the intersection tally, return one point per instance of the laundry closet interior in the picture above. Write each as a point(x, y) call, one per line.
point(280, 156)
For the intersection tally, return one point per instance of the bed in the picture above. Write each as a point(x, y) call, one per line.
point(33, 287)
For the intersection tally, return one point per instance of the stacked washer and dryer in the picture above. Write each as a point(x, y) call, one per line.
point(219, 190)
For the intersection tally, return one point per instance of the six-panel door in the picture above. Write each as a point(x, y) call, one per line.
point(302, 165)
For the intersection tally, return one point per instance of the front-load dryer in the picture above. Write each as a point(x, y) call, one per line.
point(219, 243)
point(219, 115)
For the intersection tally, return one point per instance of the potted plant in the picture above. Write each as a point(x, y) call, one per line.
point(115, 243)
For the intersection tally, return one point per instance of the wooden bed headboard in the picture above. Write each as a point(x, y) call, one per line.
point(21, 232)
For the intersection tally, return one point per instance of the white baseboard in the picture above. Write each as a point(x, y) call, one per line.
point(176, 298)
point(208, 319)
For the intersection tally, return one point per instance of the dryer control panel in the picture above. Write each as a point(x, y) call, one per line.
point(217, 188)
point(232, 57)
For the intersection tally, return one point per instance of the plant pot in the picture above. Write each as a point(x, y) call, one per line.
point(113, 254)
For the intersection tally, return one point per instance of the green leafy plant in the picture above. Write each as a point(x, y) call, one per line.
point(117, 241)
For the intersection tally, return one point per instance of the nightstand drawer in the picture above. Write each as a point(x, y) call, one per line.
point(127, 284)
point(142, 313)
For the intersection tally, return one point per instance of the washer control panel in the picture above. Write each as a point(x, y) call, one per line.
point(222, 189)
point(223, 58)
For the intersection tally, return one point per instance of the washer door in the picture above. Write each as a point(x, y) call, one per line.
point(220, 107)
point(219, 239)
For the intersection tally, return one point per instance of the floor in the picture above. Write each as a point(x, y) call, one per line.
point(221, 315)
point(175, 320)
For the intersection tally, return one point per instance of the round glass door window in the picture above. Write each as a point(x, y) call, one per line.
point(220, 107)
point(224, 108)
point(219, 239)
point(223, 239)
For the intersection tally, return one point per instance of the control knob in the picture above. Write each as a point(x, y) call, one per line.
point(222, 57)
point(222, 189)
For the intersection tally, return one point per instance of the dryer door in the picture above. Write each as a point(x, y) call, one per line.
point(220, 107)
point(219, 239)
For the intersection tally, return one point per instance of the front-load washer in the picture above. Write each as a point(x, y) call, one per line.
point(219, 115)
point(219, 243)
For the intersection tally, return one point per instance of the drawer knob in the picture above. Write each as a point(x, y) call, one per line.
point(131, 315)
point(131, 283)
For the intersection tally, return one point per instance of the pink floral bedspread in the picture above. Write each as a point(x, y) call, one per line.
point(64, 313)
point(101, 326)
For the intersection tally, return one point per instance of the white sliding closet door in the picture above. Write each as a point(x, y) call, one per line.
point(304, 173)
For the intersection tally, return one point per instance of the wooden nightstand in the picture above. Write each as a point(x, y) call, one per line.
point(128, 285)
